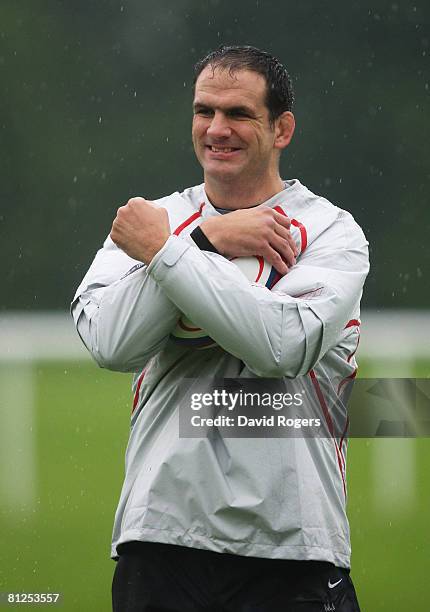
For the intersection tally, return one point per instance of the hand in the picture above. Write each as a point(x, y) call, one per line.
point(140, 229)
point(254, 231)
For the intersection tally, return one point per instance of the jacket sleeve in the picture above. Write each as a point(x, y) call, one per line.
point(283, 332)
point(122, 316)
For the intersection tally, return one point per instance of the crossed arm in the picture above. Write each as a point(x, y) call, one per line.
point(124, 321)
point(141, 230)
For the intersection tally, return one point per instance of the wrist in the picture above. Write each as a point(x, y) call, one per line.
point(210, 228)
point(152, 250)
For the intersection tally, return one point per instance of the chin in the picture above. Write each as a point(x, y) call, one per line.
point(226, 172)
point(222, 176)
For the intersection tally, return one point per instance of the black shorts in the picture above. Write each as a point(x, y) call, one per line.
point(152, 577)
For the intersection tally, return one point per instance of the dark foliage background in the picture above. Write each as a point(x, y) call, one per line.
point(96, 107)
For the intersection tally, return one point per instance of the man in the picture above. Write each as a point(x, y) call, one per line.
point(212, 523)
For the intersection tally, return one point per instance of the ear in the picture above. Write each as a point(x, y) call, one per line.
point(284, 130)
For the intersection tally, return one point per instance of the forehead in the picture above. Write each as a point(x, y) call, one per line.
point(219, 86)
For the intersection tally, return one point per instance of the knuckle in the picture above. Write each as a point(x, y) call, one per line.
point(135, 201)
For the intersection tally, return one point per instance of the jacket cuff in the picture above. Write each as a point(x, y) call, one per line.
point(167, 257)
point(202, 241)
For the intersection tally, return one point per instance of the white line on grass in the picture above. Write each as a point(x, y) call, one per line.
point(18, 470)
point(393, 460)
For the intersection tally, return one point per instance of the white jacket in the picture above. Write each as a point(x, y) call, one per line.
point(265, 497)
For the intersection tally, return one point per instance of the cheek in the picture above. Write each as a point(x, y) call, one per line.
point(198, 129)
point(265, 142)
point(251, 135)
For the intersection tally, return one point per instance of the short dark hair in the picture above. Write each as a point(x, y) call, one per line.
point(279, 95)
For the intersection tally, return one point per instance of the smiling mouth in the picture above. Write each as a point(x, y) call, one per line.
point(218, 149)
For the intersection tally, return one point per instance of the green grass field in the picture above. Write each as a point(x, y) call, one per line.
point(56, 538)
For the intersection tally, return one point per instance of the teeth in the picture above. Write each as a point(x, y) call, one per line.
point(218, 150)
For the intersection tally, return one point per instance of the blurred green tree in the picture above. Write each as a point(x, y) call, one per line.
point(96, 107)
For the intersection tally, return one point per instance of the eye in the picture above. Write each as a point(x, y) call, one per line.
point(203, 112)
point(239, 114)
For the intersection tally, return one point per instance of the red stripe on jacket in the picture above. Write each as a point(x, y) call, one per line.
point(136, 394)
point(299, 225)
point(352, 323)
point(329, 422)
point(188, 221)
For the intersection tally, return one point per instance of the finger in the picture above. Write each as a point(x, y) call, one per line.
point(285, 251)
point(121, 210)
point(282, 219)
point(282, 231)
point(292, 244)
point(287, 236)
point(275, 259)
point(138, 200)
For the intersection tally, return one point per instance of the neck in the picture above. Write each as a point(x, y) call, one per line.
point(234, 195)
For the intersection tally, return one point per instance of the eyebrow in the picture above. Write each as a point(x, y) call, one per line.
point(229, 109)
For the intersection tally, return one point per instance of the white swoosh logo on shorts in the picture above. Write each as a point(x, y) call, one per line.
point(331, 585)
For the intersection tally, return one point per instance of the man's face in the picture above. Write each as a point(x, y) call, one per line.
point(232, 136)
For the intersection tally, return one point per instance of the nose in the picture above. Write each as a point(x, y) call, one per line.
point(219, 126)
